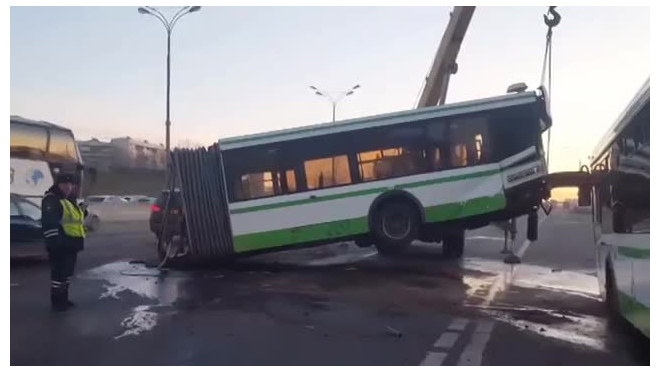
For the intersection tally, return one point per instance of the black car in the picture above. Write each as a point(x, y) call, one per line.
point(175, 218)
point(26, 236)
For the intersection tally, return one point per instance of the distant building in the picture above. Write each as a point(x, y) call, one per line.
point(138, 154)
point(125, 153)
point(96, 154)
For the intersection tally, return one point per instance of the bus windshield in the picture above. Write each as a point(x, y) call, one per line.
point(42, 143)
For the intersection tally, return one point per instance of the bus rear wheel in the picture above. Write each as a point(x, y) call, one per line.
point(453, 244)
point(395, 227)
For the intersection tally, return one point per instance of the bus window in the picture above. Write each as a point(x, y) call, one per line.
point(375, 165)
point(468, 141)
point(62, 146)
point(459, 155)
point(438, 146)
point(327, 172)
point(512, 130)
point(256, 185)
point(290, 181)
point(27, 140)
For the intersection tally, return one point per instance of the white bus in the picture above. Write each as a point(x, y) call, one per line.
point(621, 212)
point(426, 174)
point(38, 150)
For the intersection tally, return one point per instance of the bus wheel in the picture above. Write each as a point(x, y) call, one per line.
point(453, 244)
point(396, 226)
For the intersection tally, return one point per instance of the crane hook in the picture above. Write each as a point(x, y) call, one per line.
point(556, 18)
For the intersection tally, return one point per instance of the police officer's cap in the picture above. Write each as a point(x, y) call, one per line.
point(65, 178)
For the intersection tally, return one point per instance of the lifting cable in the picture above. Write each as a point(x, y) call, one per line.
point(551, 22)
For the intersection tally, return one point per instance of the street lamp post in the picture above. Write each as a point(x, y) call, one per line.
point(169, 26)
point(335, 97)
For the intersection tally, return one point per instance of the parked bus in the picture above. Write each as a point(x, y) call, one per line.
point(621, 212)
point(38, 150)
point(426, 174)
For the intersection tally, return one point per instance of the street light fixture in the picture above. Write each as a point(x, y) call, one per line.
point(169, 26)
point(334, 97)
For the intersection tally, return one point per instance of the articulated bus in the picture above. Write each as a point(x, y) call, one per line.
point(621, 212)
point(426, 174)
point(38, 150)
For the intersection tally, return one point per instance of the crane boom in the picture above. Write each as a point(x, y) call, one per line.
point(444, 64)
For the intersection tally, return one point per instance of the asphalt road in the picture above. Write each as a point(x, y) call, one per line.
point(331, 305)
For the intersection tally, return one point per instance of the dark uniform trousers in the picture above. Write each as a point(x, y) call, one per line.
point(62, 264)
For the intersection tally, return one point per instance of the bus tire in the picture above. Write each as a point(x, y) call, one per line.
point(453, 244)
point(396, 225)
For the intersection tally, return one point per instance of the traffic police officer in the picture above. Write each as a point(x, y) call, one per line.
point(62, 222)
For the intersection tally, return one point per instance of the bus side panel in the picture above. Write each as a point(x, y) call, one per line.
point(30, 178)
point(642, 288)
point(631, 263)
point(339, 213)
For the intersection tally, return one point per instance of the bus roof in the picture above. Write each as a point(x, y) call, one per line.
point(44, 124)
point(382, 120)
point(641, 99)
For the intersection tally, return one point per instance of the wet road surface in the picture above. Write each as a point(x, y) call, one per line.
point(332, 305)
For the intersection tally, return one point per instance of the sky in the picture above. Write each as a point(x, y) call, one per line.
point(238, 70)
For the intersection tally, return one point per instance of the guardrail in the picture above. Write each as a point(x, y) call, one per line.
point(121, 212)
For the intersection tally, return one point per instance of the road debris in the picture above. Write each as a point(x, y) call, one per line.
point(394, 332)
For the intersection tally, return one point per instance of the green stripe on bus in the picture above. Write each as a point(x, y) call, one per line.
point(637, 313)
point(355, 226)
point(303, 234)
point(635, 252)
point(363, 192)
point(458, 210)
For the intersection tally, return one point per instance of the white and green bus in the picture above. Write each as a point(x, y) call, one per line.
point(621, 204)
point(425, 174)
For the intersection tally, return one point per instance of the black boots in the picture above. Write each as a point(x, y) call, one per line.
point(59, 299)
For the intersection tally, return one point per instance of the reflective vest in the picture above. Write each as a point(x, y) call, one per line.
point(73, 219)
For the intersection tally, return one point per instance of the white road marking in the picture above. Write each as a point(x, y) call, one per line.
point(446, 340)
point(13, 284)
point(370, 254)
point(473, 353)
point(433, 359)
point(484, 327)
point(458, 324)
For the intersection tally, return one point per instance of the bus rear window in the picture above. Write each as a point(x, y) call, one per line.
point(26, 140)
point(62, 146)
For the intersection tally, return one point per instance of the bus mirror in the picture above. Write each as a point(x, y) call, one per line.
point(584, 196)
